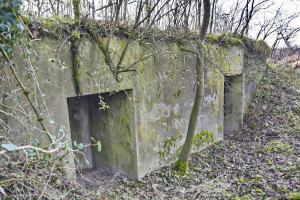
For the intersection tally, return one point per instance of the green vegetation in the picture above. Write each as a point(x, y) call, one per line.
point(202, 138)
point(256, 46)
point(178, 93)
point(57, 27)
point(181, 167)
point(294, 195)
point(53, 23)
point(76, 35)
point(61, 27)
point(277, 146)
point(168, 144)
point(11, 28)
point(224, 40)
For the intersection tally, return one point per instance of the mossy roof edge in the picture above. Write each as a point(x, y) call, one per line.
point(61, 27)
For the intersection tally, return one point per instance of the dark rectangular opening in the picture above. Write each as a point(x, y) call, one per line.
point(108, 118)
point(233, 103)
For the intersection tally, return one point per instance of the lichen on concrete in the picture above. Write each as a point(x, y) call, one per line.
point(168, 145)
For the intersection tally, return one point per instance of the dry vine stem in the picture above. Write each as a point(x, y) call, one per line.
point(26, 93)
point(32, 148)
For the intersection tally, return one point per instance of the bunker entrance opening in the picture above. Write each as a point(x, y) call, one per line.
point(108, 118)
point(233, 103)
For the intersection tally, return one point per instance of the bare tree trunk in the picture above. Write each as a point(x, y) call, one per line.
point(187, 10)
point(231, 22)
point(248, 18)
point(212, 16)
point(175, 15)
point(52, 7)
point(287, 43)
point(39, 6)
point(199, 8)
point(93, 9)
point(125, 10)
point(274, 45)
point(182, 162)
point(241, 17)
point(57, 6)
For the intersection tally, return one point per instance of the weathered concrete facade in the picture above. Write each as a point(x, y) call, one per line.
point(145, 123)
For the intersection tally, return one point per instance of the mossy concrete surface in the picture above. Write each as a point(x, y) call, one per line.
point(143, 128)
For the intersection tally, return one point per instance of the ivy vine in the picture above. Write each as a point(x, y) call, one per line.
point(11, 27)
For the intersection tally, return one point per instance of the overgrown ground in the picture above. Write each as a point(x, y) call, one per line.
point(262, 161)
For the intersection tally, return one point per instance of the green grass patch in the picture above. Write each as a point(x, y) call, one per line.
point(277, 146)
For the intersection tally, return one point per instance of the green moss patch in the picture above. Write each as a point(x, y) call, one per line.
point(294, 195)
point(203, 138)
point(62, 27)
point(229, 40)
point(168, 144)
point(277, 146)
point(181, 167)
point(55, 27)
point(224, 40)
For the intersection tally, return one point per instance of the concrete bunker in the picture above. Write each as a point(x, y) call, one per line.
point(149, 107)
point(233, 103)
point(109, 118)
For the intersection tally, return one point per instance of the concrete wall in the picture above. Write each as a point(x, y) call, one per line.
point(165, 89)
point(254, 68)
point(145, 127)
